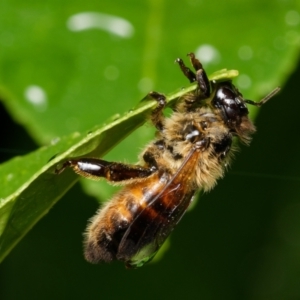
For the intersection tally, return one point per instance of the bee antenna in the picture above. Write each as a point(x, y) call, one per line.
point(265, 99)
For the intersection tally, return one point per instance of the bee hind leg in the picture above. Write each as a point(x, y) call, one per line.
point(95, 168)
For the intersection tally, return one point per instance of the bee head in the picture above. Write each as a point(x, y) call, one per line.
point(230, 102)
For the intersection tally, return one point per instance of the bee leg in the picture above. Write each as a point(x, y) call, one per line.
point(150, 160)
point(157, 115)
point(201, 76)
point(188, 73)
point(112, 171)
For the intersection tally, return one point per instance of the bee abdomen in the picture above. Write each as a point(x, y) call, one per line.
point(107, 229)
point(101, 250)
point(105, 233)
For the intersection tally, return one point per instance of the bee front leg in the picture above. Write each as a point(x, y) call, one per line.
point(187, 72)
point(200, 76)
point(112, 171)
point(157, 115)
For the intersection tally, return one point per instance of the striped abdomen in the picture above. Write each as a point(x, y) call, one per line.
point(136, 222)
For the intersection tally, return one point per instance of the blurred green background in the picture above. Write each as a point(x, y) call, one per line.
point(67, 67)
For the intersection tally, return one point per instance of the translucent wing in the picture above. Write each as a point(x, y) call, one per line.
point(154, 223)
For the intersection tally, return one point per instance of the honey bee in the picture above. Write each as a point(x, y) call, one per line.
point(190, 152)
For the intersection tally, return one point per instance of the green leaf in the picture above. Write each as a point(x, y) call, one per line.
point(66, 67)
point(56, 78)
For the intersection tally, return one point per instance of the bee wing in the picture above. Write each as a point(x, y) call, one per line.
point(154, 223)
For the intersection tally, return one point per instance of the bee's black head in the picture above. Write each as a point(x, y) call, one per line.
point(229, 100)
